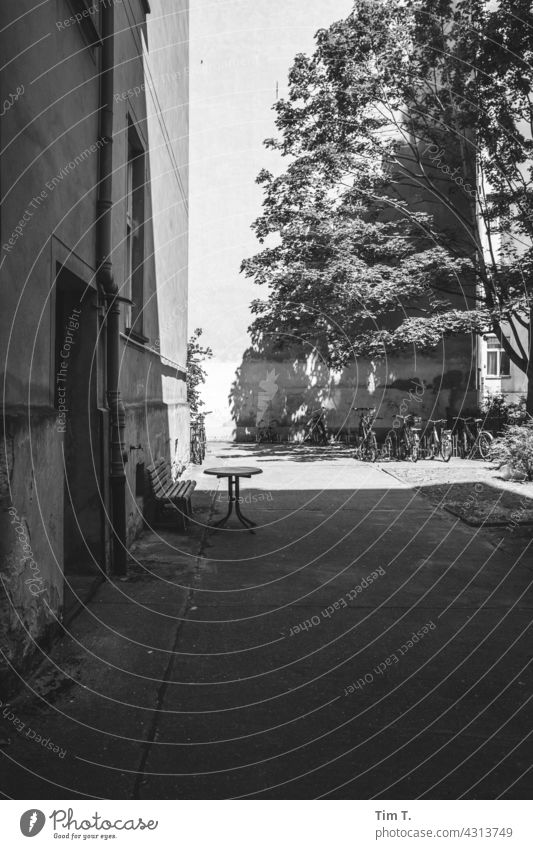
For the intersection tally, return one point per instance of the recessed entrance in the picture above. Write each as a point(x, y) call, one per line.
point(78, 422)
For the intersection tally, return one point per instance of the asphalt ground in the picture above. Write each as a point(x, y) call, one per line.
point(363, 642)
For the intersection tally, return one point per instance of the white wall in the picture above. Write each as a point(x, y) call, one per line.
point(240, 50)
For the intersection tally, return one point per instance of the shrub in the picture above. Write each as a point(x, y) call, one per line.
point(515, 448)
point(497, 411)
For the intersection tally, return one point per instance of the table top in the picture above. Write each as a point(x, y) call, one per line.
point(234, 471)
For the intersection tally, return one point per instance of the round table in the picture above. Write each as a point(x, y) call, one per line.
point(233, 473)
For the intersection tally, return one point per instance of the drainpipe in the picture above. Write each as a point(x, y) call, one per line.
point(107, 284)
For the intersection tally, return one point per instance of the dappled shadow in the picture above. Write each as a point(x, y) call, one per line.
point(296, 452)
point(282, 387)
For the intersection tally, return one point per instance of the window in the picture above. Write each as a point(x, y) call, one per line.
point(86, 16)
point(135, 180)
point(498, 363)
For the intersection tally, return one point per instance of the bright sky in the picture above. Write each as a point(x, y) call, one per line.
point(239, 51)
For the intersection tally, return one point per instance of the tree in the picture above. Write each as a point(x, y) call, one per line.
point(405, 103)
point(196, 374)
point(336, 276)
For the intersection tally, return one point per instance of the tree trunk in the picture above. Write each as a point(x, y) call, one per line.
point(529, 396)
point(529, 370)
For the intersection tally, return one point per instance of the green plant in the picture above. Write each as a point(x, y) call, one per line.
point(196, 374)
point(404, 106)
point(498, 411)
point(515, 448)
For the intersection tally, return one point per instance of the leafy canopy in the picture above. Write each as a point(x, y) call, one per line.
point(405, 211)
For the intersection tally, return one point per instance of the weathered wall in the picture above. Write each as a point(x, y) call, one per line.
point(48, 178)
point(167, 74)
point(30, 534)
point(151, 89)
point(50, 125)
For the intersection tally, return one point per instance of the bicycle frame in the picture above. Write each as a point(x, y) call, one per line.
point(367, 447)
point(471, 440)
point(406, 440)
point(316, 427)
point(437, 439)
point(266, 432)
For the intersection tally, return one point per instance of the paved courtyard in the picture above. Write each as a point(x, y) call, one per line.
point(363, 643)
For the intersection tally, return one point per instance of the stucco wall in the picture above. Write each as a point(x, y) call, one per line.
point(433, 386)
point(31, 500)
point(49, 136)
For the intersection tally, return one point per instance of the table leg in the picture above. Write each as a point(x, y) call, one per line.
point(246, 522)
point(231, 499)
point(233, 495)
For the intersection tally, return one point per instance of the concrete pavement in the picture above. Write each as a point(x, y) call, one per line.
point(361, 643)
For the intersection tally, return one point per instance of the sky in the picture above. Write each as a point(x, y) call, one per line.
point(240, 54)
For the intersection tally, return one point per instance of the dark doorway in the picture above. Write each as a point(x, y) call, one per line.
point(78, 422)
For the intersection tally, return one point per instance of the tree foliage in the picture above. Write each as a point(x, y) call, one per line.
point(196, 373)
point(405, 211)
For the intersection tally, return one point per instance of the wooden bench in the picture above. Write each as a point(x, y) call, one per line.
point(168, 493)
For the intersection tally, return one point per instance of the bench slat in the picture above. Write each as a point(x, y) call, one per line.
point(162, 475)
point(190, 487)
point(155, 466)
point(169, 492)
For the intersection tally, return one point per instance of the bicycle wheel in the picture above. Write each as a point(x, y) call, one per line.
point(387, 450)
point(446, 449)
point(484, 443)
point(430, 450)
point(413, 453)
point(371, 451)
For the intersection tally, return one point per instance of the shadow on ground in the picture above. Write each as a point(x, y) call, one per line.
point(478, 503)
point(363, 643)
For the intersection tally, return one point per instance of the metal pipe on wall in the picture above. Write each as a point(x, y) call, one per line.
point(107, 284)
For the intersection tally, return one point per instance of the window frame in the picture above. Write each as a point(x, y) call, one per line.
point(135, 232)
point(499, 353)
point(90, 25)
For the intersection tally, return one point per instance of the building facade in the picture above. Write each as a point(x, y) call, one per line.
point(94, 241)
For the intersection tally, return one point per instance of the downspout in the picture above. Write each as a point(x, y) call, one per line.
point(107, 285)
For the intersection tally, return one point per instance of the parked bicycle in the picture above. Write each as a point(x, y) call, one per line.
point(437, 440)
point(472, 440)
point(404, 441)
point(267, 432)
point(367, 444)
point(198, 438)
point(315, 429)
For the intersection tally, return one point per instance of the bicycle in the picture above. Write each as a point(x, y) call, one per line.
point(198, 442)
point(266, 433)
point(367, 445)
point(198, 438)
point(471, 441)
point(404, 441)
point(316, 430)
point(438, 440)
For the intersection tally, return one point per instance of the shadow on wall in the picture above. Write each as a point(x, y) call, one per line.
point(282, 389)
